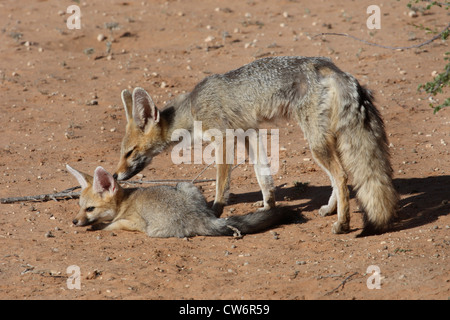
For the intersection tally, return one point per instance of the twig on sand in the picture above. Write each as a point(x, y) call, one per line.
point(64, 195)
point(384, 46)
point(341, 284)
point(71, 194)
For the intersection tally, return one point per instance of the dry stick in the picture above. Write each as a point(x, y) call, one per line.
point(204, 169)
point(69, 194)
point(383, 46)
point(164, 181)
point(196, 177)
point(341, 284)
point(43, 197)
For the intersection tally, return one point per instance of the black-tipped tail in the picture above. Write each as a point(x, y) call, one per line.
point(255, 222)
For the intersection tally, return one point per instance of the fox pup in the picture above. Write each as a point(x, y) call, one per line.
point(161, 211)
point(344, 130)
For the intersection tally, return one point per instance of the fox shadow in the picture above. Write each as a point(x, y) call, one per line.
point(423, 200)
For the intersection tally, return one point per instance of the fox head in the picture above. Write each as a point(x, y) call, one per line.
point(98, 199)
point(144, 136)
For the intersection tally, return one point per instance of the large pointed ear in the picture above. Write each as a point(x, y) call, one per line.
point(84, 179)
point(144, 110)
point(104, 182)
point(127, 100)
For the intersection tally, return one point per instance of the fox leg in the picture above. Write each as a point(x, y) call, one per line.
point(326, 155)
point(124, 224)
point(222, 188)
point(343, 223)
point(331, 207)
point(222, 182)
point(256, 150)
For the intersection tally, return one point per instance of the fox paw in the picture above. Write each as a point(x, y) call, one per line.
point(263, 206)
point(218, 208)
point(339, 228)
point(326, 211)
point(258, 204)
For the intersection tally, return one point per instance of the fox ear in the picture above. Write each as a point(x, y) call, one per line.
point(104, 182)
point(144, 110)
point(83, 179)
point(127, 100)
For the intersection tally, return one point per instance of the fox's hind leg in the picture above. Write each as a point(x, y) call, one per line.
point(325, 153)
point(331, 207)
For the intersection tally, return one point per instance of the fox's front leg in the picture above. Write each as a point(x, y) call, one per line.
point(266, 184)
point(124, 224)
point(258, 156)
point(222, 187)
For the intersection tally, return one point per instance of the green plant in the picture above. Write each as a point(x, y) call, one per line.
point(439, 82)
point(442, 80)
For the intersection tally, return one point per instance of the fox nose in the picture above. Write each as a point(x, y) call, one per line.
point(75, 221)
point(115, 176)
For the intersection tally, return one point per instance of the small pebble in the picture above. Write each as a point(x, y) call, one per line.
point(101, 37)
point(49, 234)
point(275, 235)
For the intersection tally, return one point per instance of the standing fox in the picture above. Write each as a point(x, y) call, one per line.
point(161, 211)
point(341, 124)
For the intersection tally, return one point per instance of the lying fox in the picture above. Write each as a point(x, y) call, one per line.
point(344, 129)
point(161, 211)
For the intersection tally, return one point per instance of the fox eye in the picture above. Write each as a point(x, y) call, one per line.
point(128, 154)
point(90, 209)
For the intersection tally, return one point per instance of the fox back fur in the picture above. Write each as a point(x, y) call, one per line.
point(337, 115)
point(160, 211)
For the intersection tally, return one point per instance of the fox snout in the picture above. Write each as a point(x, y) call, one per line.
point(121, 176)
point(77, 222)
point(125, 171)
point(80, 222)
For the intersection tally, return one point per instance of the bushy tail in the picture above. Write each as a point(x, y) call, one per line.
point(253, 222)
point(363, 147)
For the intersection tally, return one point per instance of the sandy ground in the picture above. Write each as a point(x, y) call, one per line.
point(60, 103)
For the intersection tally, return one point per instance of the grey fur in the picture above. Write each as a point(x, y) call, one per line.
point(344, 130)
point(160, 211)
